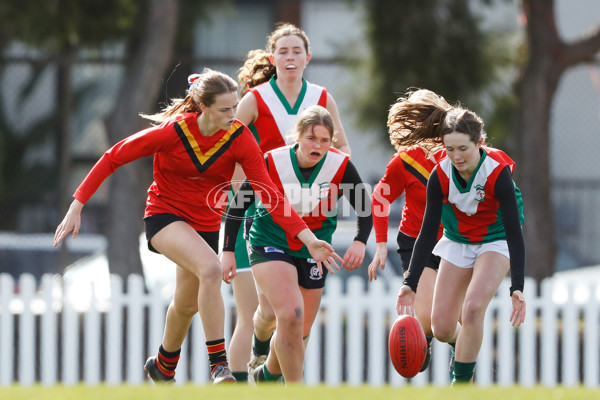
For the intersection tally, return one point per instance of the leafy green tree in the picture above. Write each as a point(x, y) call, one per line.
point(434, 44)
point(55, 29)
point(548, 57)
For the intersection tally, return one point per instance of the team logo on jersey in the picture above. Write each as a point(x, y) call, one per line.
point(324, 189)
point(479, 193)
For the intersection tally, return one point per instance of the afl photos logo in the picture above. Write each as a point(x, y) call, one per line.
point(220, 198)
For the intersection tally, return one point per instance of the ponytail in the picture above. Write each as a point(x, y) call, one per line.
point(257, 69)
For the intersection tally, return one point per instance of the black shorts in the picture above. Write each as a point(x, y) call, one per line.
point(309, 276)
point(154, 223)
point(406, 244)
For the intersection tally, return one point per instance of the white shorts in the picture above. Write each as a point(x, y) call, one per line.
point(464, 255)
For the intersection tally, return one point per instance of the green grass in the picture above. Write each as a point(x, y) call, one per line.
point(269, 392)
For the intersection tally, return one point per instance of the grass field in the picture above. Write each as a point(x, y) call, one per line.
point(271, 392)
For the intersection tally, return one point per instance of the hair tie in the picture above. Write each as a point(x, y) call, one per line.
point(193, 78)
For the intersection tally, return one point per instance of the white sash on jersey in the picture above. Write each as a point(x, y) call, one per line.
point(285, 122)
point(467, 200)
point(304, 199)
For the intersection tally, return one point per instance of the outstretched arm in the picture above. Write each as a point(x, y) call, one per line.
point(359, 197)
point(71, 222)
point(321, 251)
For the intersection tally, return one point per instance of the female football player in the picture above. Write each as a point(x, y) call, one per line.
point(195, 146)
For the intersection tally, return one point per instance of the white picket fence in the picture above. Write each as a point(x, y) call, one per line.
point(54, 339)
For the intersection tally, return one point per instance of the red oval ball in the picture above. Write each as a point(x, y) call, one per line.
point(407, 345)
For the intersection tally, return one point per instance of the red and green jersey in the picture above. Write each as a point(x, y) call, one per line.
point(191, 171)
point(471, 214)
point(407, 172)
point(315, 199)
point(276, 117)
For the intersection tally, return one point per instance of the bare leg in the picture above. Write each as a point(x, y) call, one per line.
point(424, 299)
point(181, 243)
point(489, 271)
point(279, 282)
point(312, 302)
point(448, 299)
point(246, 302)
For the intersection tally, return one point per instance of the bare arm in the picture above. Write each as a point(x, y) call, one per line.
point(247, 111)
point(341, 142)
point(71, 222)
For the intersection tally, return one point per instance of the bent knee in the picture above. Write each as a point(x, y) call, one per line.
point(210, 273)
point(184, 308)
point(472, 313)
point(290, 318)
point(443, 330)
point(264, 319)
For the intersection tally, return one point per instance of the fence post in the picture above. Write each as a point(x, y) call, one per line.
point(312, 359)
point(376, 299)
point(91, 341)
point(333, 333)
point(506, 337)
point(440, 359)
point(135, 332)
point(114, 331)
point(156, 324)
point(548, 335)
point(49, 336)
point(199, 361)
point(355, 330)
point(7, 340)
point(590, 355)
point(485, 359)
point(570, 340)
point(527, 336)
point(70, 338)
point(27, 344)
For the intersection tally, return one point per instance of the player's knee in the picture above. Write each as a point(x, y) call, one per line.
point(185, 309)
point(263, 319)
point(291, 318)
point(472, 312)
point(210, 273)
point(442, 330)
point(425, 322)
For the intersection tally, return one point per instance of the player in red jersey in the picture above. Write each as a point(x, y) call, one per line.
point(407, 173)
point(274, 92)
point(471, 192)
point(195, 146)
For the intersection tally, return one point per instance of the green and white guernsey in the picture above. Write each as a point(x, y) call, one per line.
point(462, 203)
point(315, 199)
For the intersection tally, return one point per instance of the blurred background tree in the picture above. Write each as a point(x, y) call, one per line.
point(60, 30)
point(548, 58)
point(441, 45)
point(438, 45)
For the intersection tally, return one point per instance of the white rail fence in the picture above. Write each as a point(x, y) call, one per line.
point(53, 339)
